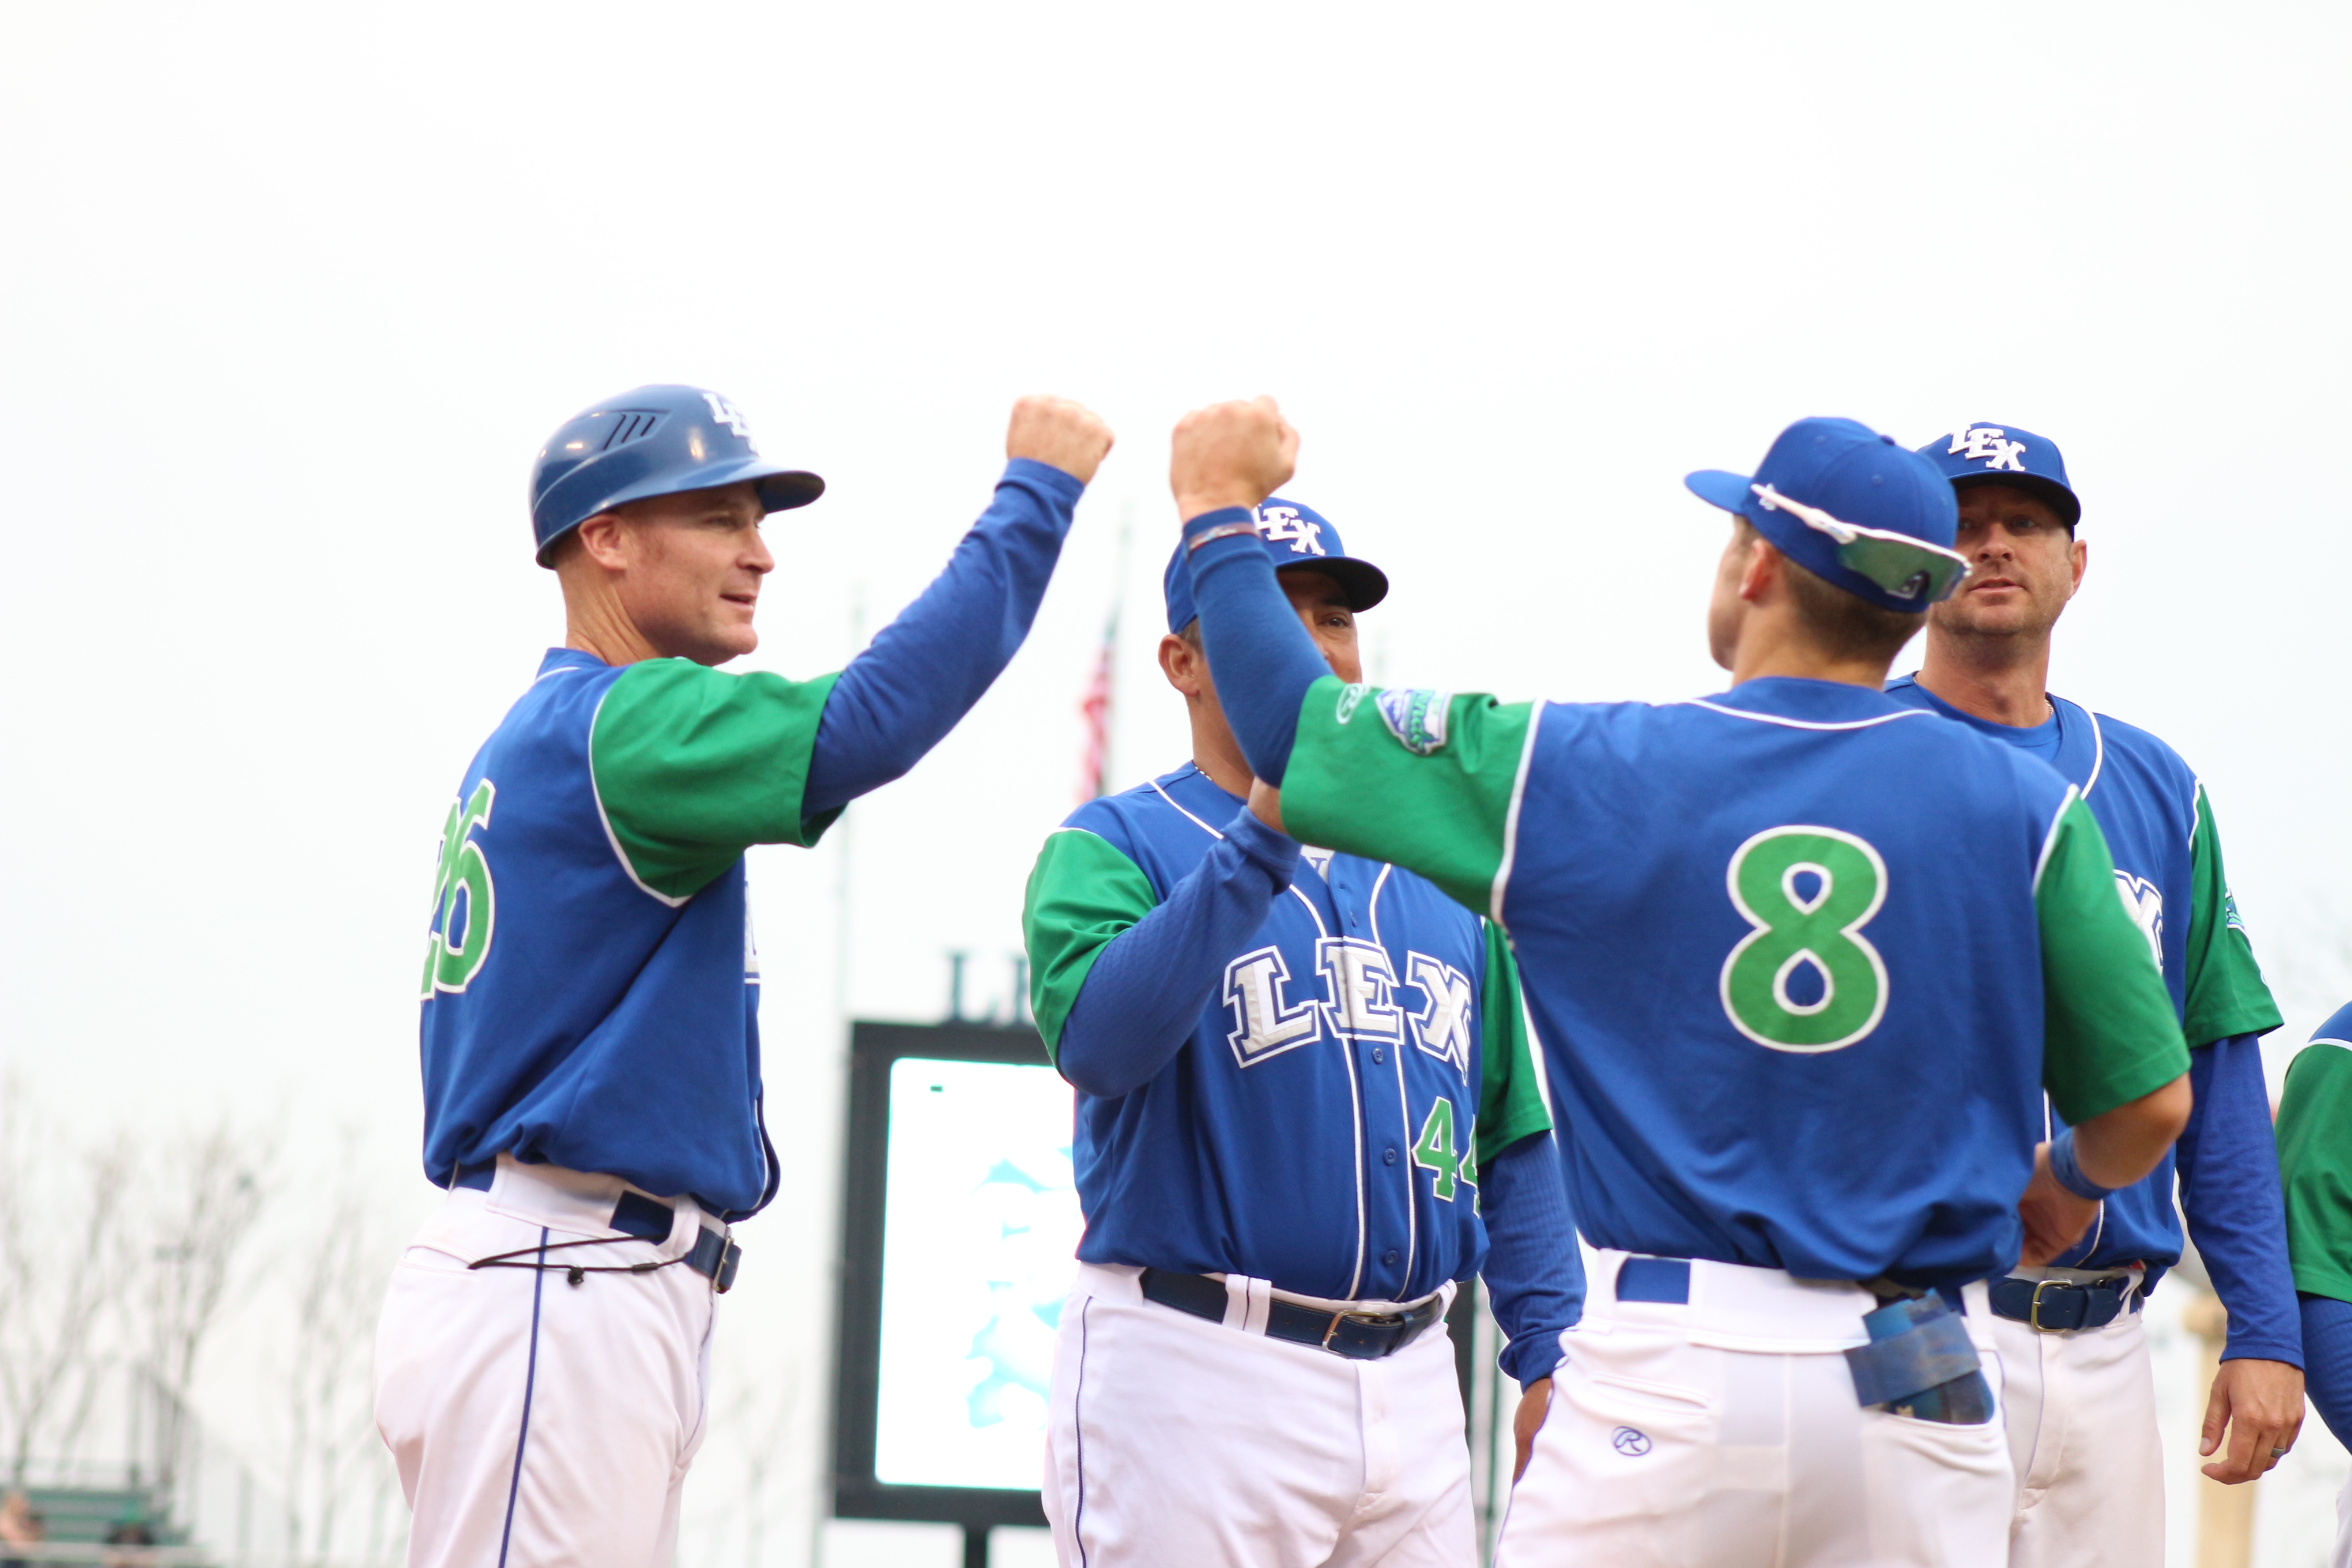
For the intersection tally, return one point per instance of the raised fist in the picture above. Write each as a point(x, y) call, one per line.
point(1059, 433)
point(1231, 454)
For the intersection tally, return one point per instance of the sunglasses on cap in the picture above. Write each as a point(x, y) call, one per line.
point(1905, 567)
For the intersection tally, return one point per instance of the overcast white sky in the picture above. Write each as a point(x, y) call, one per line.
point(292, 294)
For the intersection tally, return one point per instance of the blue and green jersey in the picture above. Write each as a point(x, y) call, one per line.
point(2160, 826)
point(591, 987)
point(1802, 960)
point(1343, 1072)
point(590, 984)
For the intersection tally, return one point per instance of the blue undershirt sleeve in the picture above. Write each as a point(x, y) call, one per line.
point(2236, 1209)
point(2327, 1362)
point(900, 697)
point(1535, 1276)
point(1259, 653)
point(1144, 997)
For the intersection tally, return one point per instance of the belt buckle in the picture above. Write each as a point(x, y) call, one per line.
point(2034, 1312)
point(1369, 1320)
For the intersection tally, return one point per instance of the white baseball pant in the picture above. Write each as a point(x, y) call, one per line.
point(1174, 1440)
point(1724, 1433)
point(2080, 1408)
point(539, 1424)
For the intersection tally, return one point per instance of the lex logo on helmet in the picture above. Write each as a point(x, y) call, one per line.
point(1283, 525)
point(727, 415)
point(1984, 441)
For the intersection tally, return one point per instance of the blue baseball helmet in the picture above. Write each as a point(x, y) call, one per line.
point(1295, 536)
point(654, 441)
point(1982, 454)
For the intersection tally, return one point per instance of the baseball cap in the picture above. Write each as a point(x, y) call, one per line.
point(1982, 454)
point(1294, 535)
point(1852, 507)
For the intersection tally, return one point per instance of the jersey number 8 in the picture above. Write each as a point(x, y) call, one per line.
point(1805, 979)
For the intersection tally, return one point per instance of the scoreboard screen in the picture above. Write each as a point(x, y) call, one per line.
point(980, 1224)
point(959, 1241)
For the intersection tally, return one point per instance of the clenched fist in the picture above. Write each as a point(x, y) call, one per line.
point(2055, 1219)
point(1060, 433)
point(1231, 454)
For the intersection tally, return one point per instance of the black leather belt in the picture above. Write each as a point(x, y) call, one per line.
point(1358, 1336)
point(2055, 1305)
point(713, 1256)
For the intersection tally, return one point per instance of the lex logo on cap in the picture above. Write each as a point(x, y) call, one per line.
point(1283, 525)
point(1984, 441)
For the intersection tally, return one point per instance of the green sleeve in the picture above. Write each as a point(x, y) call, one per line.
point(2226, 994)
point(693, 766)
point(2109, 1033)
point(1420, 779)
point(1082, 893)
point(2314, 1145)
point(1510, 1100)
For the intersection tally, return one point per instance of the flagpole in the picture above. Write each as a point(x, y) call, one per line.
point(1097, 707)
point(1117, 603)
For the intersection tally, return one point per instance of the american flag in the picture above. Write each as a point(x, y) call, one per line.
point(1095, 708)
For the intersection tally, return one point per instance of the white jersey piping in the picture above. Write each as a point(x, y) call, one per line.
point(2050, 839)
point(1404, 1103)
point(1511, 817)
point(1187, 816)
point(612, 837)
point(2098, 752)
point(1808, 723)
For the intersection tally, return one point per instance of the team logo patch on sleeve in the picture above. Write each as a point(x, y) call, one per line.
point(1416, 717)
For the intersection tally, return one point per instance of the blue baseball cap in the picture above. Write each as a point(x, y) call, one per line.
point(1295, 536)
point(1982, 454)
point(1852, 507)
point(652, 441)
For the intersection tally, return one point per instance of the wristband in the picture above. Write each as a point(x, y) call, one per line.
point(2069, 1170)
point(1226, 522)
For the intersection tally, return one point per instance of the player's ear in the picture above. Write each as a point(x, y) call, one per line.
point(1182, 663)
point(601, 540)
point(1765, 567)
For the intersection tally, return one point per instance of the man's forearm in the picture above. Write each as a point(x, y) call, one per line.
point(2327, 1362)
point(1145, 994)
point(901, 696)
point(2230, 1195)
point(1534, 1275)
point(2119, 1147)
point(1262, 657)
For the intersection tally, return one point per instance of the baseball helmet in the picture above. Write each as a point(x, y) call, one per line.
point(654, 441)
point(1982, 454)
